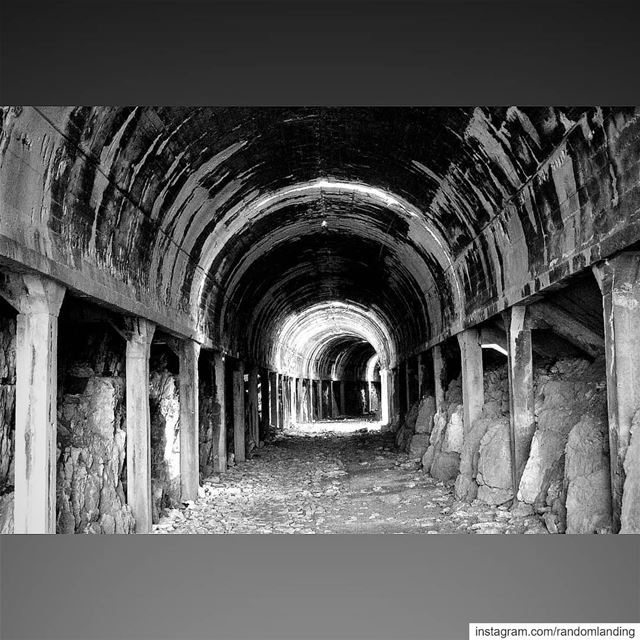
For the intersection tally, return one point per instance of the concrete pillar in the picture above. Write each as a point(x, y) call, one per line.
point(220, 456)
point(265, 398)
point(332, 400)
point(139, 335)
point(385, 396)
point(189, 420)
point(254, 418)
point(422, 371)
point(300, 399)
point(472, 376)
point(309, 400)
point(273, 399)
point(280, 400)
point(343, 398)
point(238, 413)
point(394, 394)
point(521, 396)
point(285, 401)
point(37, 300)
point(367, 399)
point(320, 403)
point(439, 373)
point(407, 382)
point(619, 281)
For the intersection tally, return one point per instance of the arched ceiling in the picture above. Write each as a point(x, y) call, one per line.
point(254, 217)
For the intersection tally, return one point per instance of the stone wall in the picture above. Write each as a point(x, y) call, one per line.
point(91, 475)
point(566, 477)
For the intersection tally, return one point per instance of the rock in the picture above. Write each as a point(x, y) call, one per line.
point(521, 510)
point(587, 478)
point(454, 432)
point(445, 466)
point(494, 465)
point(6, 513)
point(466, 487)
point(426, 412)
point(630, 515)
point(419, 445)
point(545, 464)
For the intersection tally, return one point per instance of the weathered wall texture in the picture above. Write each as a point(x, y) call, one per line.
point(166, 208)
point(91, 433)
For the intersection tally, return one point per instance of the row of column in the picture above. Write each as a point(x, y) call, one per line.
point(619, 282)
point(38, 301)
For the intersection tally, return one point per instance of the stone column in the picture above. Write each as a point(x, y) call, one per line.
point(309, 397)
point(472, 376)
point(220, 457)
point(265, 396)
point(439, 373)
point(343, 398)
point(407, 382)
point(619, 280)
point(422, 369)
point(521, 396)
point(385, 396)
point(238, 413)
point(280, 400)
point(37, 300)
point(320, 403)
point(189, 420)
point(300, 398)
point(367, 398)
point(394, 394)
point(273, 399)
point(254, 418)
point(139, 334)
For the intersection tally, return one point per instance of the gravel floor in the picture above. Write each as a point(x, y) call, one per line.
point(344, 479)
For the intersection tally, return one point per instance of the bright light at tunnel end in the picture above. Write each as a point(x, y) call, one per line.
point(303, 336)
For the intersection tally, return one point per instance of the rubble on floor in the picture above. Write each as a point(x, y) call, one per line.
point(335, 482)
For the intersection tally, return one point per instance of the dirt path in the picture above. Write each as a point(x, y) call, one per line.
point(348, 480)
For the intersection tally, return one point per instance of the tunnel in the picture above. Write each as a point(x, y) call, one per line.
point(408, 306)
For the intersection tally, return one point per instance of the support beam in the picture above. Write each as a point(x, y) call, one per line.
point(274, 417)
point(422, 374)
point(521, 395)
point(439, 373)
point(254, 418)
point(472, 376)
point(189, 420)
point(320, 403)
point(385, 396)
point(566, 326)
point(619, 280)
point(407, 384)
point(38, 301)
point(139, 336)
point(238, 413)
point(265, 396)
point(220, 455)
point(309, 400)
point(299, 400)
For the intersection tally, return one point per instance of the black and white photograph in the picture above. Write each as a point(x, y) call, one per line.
point(319, 320)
